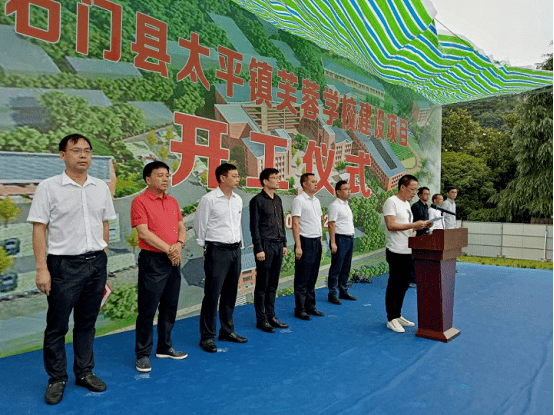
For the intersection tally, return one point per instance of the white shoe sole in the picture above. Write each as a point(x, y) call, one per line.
point(391, 327)
point(405, 323)
point(166, 356)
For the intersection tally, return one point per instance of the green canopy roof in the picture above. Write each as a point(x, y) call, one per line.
point(398, 41)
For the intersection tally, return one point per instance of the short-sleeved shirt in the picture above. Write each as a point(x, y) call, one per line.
point(161, 214)
point(434, 213)
point(74, 213)
point(339, 212)
point(449, 220)
point(309, 210)
point(218, 219)
point(397, 241)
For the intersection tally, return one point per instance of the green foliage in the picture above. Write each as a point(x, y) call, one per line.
point(370, 271)
point(506, 262)
point(213, 36)
point(122, 303)
point(529, 194)
point(128, 186)
point(8, 210)
point(489, 112)
point(187, 97)
point(291, 181)
point(164, 152)
point(472, 177)
point(187, 210)
point(27, 139)
point(133, 240)
point(300, 142)
point(6, 260)
point(365, 215)
point(237, 158)
point(288, 261)
point(151, 138)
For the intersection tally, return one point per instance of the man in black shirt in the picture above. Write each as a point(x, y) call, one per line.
point(267, 226)
point(420, 210)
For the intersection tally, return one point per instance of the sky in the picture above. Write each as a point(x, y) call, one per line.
point(519, 31)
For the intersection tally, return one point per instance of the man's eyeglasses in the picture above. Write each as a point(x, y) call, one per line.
point(79, 151)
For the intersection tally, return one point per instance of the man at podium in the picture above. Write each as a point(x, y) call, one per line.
point(399, 227)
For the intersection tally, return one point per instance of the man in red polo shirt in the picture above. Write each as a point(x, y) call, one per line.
point(162, 235)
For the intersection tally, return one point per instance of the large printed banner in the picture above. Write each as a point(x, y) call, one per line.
point(194, 83)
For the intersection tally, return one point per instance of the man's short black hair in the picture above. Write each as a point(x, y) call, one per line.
point(435, 197)
point(339, 184)
point(449, 188)
point(222, 170)
point(264, 175)
point(73, 138)
point(147, 171)
point(421, 189)
point(304, 178)
point(406, 180)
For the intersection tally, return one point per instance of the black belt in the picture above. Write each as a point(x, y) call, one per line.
point(310, 239)
point(344, 236)
point(152, 253)
point(86, 255)
point(236, 245)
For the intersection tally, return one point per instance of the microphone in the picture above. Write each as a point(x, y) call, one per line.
point(442, 210)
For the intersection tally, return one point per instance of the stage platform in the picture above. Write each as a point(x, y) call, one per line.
point(346, 362)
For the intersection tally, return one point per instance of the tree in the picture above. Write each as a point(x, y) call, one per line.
point(170, 135)
point(5, 260)
point(8, 210)
point(472, 177)
point(459, 130)
point(151, 138)
point(175, 165)
point(164, 152)
point(529, 194)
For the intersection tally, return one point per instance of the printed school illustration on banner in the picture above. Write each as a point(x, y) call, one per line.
point(192, 83)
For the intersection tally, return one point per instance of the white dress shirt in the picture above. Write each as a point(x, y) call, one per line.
point(339, 212)
point(309, 210)
point(449, 220)
point(74, 213)
point(218, 218)
point(434, 213)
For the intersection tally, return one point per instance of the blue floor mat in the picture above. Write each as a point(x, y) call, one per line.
point(346, 362)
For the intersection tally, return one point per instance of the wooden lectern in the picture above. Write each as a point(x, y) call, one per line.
point(435, 262)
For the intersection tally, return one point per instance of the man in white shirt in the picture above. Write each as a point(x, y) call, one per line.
point(399, 227)
point(307, 232)
point(436, 201)
point(218, 230)
point(71, 211)
point(450, 206)
point(341, 234)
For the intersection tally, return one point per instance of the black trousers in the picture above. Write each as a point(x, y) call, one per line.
point(400, 271)
point(222, 269)
point(341, 262)
point(267, 280)
point(77, 284)
point(159, 283)
point(306, 270)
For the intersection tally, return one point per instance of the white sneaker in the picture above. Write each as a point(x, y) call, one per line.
point(404, 322)
point(394, 325)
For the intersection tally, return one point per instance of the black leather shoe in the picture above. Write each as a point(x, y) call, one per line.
point(347, 296)
point(208, 345)
point(232, 337)
point(264, 326)
point(302, 316)
point(91, 382)
point(315, 312)
point(54, 393)
point(274, 321)
point(334, 300)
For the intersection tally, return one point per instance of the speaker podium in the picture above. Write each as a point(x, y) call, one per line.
point(435, 263)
